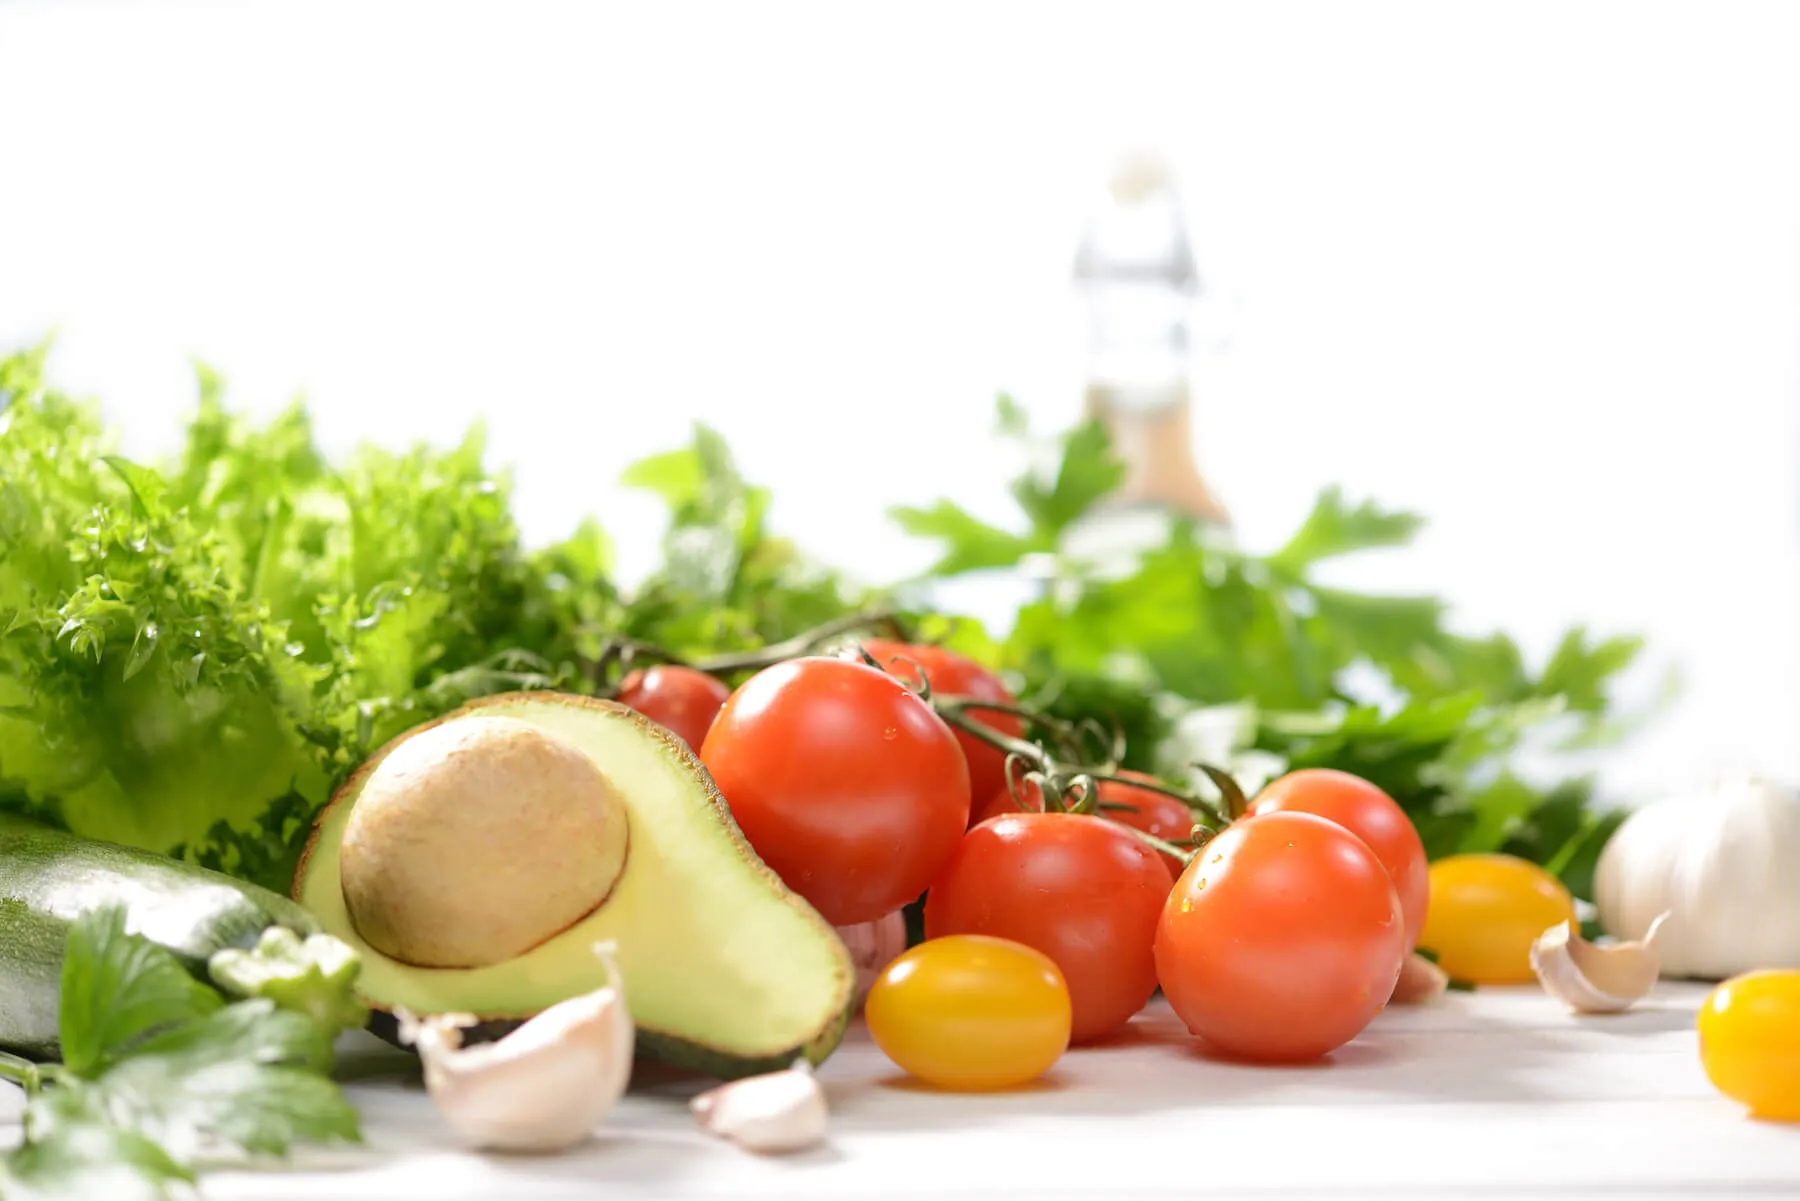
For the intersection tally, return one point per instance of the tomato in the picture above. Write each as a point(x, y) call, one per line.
point(679, 698)
point(1152, 812)
point(953, 675)
point(1750, 1042)
point(1368, 813)
point(844, 781)
point(1282, 939)
point(1084, 891)
point(1486, 911)
point(970, 1013)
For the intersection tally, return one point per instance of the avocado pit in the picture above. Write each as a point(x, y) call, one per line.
point(476, 840)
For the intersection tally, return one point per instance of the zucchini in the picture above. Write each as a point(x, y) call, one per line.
point(49, 878)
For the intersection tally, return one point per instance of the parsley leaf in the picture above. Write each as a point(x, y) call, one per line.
point(117, 989)
point(249, 1075)
point(158, 1071)
point(71, 1150)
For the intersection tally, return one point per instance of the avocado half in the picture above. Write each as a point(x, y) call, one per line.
point(726, 971)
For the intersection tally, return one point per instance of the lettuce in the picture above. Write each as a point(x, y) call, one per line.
point(188, 651)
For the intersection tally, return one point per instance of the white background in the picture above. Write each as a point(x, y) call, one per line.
point(1533, 269)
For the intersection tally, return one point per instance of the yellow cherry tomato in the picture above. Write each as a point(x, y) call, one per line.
point(1750, 1042)
point(1486, 911)
point(970, 1012)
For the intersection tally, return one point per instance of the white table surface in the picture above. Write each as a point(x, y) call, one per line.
point(1494, 1094)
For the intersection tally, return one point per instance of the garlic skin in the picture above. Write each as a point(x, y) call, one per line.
point(1590, 978)
point(1421, 982)
point(543, 1087)
point(773, 1113)
point(873, 945)
point(1722, 865)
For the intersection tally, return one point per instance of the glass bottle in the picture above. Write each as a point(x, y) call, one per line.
point(1137, 281)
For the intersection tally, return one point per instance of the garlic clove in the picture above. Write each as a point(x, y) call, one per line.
point(1590, 978)
point(543, 1087)
point(776, 1112)
point(872, 946)
point(1421, 982)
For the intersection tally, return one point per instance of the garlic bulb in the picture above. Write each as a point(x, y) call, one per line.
point(873, 945)
point(543, 1087)
point(1591, 978)
point(779, 1111)
point(1724, 865)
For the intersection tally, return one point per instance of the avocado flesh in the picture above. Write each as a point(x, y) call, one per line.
point(726, 971)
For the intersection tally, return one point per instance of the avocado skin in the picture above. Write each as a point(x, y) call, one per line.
point(653, 1044)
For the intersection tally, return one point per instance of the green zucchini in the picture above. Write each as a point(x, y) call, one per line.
point(49, 878)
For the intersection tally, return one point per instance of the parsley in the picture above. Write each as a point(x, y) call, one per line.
point(159, 1072)
point(1199, 623)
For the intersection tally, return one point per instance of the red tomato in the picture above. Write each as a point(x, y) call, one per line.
point(1152, 812)
point(1282, 939)
point(1368, 813)
point(678, 698)
point(845, 782)
point(1084, 891)
point(953, 675)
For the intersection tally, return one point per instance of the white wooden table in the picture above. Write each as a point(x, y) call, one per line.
point(1494, 1094)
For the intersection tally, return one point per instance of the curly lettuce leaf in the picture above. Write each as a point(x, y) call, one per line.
point(192, 655)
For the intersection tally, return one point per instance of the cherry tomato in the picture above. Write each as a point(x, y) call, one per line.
point(1082, 890)
point(845, 782)
point(1282, 939)
point(679, 698)
point(1152, 812)
point(1486, 911)
point(1370, 814)
point(953, 675)
point(971, 1013)
point(1750, 1042)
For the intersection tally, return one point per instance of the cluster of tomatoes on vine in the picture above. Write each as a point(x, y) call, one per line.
point(1277, 928)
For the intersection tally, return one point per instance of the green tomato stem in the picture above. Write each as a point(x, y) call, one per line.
point(1235, 800)
point(1205, 813)
point(801, 644)
point(22, 1072)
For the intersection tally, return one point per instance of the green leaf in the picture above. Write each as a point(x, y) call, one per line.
point(147, 487)
point(1499, 810)
point(1010, 417)
point(156, 1072)
point(1579, 670)
point(74, 1151)
point(675, 475)
point(1087, 472)
point(1334, 528)
point(118, 989)
point(970, 544)
point(249, 1074)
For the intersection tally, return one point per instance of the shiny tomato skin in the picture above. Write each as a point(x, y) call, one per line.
point(1282, 939)
point(1370, 814)
point(1152, 812)
point(680, 699)
point(956, 675)
point(1084, 891)
point(970, 1013)
point(846, 784)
